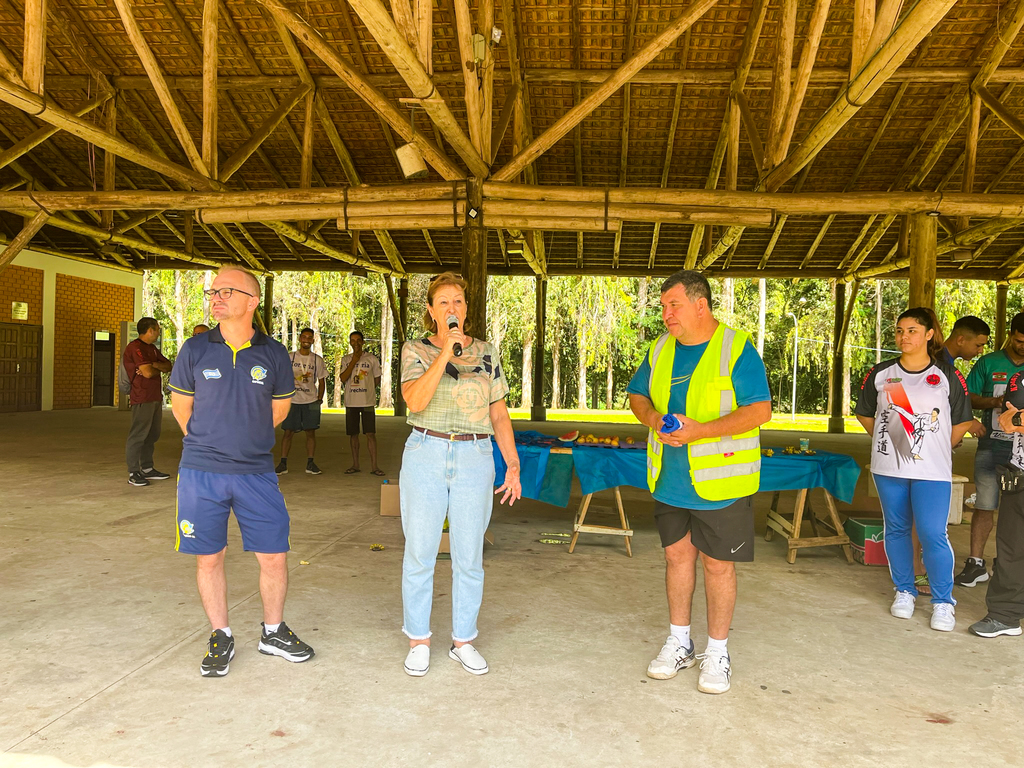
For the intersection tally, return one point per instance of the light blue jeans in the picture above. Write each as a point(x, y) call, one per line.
point(439, 478)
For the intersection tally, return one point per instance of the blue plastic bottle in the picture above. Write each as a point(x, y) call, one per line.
point(669, 423)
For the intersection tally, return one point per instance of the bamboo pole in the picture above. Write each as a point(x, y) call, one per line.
point(630, 212)
point(485, 23)
point(211, 11)
point(49, 112)
point(781, 85)
point(917, 23)
point(104, 237)
point(471, 84)
point(320, 246)
point(152, 67)
point(999, 110)
point(424, 10)
point(367, 92)
point(756, 147)
point(863, 21)
point(109, 161)
point(380, 24)
point(621, 76)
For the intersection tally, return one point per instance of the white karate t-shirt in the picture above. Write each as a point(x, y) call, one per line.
point(914, 414)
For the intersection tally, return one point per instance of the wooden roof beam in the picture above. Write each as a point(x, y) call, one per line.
point(32, 141)
point(380, 24)
point(273, 120)
point(917, 23)
point(152, 67)
point(863, 21)
point(211, 42)
point(485, 23)
point(17, 245)
point(781, 83)
point(298, 236)
point(803, 77)
point(34, 55)
point(999, 109)
point(666, 167)
point(471, 83)
point(383, 106)
point(621, 76)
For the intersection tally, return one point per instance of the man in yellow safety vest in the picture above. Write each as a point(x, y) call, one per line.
point(703, 465)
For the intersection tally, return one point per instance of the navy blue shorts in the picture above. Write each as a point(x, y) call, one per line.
point(301, 417)
point(205, 499)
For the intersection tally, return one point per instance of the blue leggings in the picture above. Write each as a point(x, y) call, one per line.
point(924, 504)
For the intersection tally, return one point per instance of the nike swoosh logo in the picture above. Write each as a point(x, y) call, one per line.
point(734, 551)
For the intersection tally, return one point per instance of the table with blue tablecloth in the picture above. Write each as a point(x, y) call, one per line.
point(547, 467)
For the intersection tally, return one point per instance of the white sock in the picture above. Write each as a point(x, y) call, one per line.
point(718, 647)
point(682, 634)
point(225, 630)
point(269, 629)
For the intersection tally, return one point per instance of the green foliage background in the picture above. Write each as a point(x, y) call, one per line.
point(598, 328)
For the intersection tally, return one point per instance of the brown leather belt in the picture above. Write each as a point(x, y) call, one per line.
point(446, 436)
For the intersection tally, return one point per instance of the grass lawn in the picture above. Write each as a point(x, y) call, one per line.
point(805, 422)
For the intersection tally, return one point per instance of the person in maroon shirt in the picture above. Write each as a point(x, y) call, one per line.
point(144, 363)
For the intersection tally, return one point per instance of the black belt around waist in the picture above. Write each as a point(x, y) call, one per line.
point(446, 436)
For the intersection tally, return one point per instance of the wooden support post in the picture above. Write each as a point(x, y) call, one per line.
point(401, 331)
point(35, 45)
point(109, 161)
point(1000, 315)
point(210, 29)
point(474, 261)
point(835, 395)
point(538, 409)
point(923, 241)
point(268, 301)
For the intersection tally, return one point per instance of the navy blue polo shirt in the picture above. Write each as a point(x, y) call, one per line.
point(231, 430)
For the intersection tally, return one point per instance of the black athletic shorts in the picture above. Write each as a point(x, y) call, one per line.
point(721, 534)
point(352, 417)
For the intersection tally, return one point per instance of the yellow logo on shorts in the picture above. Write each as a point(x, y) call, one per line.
point(187, 529)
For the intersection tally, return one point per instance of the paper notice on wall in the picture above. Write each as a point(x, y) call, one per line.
point(19, 310)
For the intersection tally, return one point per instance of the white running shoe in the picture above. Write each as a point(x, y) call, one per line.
point(903, 605)
point(417, 663)
point(715, 673)
point(672, 657)
point(470, 659)
point(943, 617)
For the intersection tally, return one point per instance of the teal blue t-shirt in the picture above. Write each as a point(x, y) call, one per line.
point(674, 484)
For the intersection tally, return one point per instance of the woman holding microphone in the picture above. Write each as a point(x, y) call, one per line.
point(916, 408)
point(455, 389)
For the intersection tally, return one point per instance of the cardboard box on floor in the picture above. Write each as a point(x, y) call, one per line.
point(867, 538)
point(390, 506)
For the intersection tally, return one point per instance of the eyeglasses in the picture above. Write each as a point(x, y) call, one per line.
point(224, 293)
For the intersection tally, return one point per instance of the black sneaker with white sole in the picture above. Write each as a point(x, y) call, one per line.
point(282, 467)
point(973, 574)
point(219, 655)
point(284, 643)
point(155, 474)
point(312, 468)
point(137, 478)
point(989, 627)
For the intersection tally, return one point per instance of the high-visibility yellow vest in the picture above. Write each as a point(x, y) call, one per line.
point(721, 468)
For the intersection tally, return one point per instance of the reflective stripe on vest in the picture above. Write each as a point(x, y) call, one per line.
point(721, 468)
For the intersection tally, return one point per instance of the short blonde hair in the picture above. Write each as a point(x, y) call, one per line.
point(254, 283)
point(436, 282)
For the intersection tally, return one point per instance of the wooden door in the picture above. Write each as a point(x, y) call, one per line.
point(21, 367)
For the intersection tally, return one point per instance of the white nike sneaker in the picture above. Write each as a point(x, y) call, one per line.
point(672, 657)
point(715, 673)
point(417, 663)
point(943, 617)
point(470, 659)
point(903, 605)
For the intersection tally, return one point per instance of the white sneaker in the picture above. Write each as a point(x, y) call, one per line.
point(943, 617)
point(715, 673)
point(417, 663)
point(672, 657)
point(470, 659)
point(903, 605)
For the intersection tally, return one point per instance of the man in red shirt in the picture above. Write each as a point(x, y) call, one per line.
point(144, 363)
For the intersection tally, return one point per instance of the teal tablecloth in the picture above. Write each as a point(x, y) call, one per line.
point(549, 478)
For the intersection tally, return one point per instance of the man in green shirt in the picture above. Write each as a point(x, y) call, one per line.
point(987, 382)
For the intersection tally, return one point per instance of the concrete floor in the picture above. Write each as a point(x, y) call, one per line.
point(103, 636)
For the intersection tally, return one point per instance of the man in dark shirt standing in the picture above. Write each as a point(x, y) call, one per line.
point(230, 388)
point(144, 363)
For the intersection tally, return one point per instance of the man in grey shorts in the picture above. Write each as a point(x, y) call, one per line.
point(987, 384)
point(704, 468)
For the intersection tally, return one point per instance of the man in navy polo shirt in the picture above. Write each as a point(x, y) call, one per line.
point(230, 388)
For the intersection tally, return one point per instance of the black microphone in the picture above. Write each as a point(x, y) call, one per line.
point(453, 325)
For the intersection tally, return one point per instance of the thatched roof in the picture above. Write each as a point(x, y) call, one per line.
point(661, 131)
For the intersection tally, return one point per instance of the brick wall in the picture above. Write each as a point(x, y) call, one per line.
point(84, 306)
point(21, 284)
